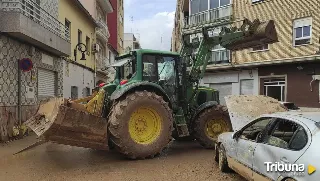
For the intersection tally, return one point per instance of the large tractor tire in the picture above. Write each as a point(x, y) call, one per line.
point(141, 125)
point(210, 123)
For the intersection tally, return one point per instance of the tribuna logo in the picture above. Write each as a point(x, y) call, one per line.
point(284, 167)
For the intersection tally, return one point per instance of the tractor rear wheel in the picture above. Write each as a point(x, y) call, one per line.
point(210, 123)
point(141, 125)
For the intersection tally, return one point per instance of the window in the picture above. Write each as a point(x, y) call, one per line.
point(302, 31)
point(203, 5)
point(256, 1)
point(88, 44)
point(288, 135)
point(261, 47)
point(275, 88)
point(67, 24)
point(86, 92)
point(257, 127)
point(74, 92)
point(79, 36)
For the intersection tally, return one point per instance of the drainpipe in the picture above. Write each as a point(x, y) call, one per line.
point(19, 99)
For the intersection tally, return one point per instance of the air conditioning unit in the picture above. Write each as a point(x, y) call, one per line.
point(96, 47)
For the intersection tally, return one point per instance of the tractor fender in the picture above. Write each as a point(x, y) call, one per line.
point(203, 107)
point(149, 86)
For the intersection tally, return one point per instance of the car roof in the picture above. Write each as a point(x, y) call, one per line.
point(314, 116)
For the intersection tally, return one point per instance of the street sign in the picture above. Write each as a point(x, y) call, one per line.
point(26, 64)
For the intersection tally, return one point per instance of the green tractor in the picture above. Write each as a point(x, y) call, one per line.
point(155, 96)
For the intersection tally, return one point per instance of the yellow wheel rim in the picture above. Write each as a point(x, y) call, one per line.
point(215, 127)
point(145, 125)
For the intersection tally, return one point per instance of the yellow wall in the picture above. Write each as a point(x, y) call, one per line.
point(120, 27)
point(79, 20)
point(283, 13)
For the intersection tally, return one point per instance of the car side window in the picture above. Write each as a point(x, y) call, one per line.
point(288, 135)
point(253, 131)
point(299, 140)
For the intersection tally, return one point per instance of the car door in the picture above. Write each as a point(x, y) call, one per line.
point(285, 142)
point(246, 144)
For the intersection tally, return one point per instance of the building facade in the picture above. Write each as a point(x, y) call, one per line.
point(115, 22)
point(99, 10)
point(131, 42)
point(271, 70)
point(287, 69)
point(79, 74)
point(29, 30)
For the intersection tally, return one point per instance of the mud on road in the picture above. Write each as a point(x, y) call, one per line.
point(182, 161)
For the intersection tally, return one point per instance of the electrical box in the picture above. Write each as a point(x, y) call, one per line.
point(30, 93)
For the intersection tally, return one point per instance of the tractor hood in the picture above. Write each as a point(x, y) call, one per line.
point(245, 108)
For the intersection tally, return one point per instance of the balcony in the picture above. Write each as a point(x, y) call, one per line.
point(220, 56)
point(27, 21)
point(103, 32)
point(211, 16)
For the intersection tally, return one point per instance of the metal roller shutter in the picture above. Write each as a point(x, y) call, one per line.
point(246, 87)
point(46, 82)
point(224, 89)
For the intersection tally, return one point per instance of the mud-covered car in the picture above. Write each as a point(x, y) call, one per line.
point(277, 146)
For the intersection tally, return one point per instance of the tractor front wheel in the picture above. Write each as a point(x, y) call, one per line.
point(210, 123)
point(141, 125)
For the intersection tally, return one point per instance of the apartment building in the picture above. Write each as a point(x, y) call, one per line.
point(115, 22)
point(79, 69)
point(99, 10)
point(130, 42)
point(286, 70)
point(195, 14)
point(32, 42)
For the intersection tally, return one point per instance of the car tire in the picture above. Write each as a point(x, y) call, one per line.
point(289, 179)
point(223, 163)
point(216, 153)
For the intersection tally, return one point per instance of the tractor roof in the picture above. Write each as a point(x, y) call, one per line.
point(147, 51)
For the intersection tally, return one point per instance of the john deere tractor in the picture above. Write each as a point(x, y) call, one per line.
point(155, 96)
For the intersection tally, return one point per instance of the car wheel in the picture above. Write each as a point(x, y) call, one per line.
point(289, 179)
point(223, 163)
point(216, 153)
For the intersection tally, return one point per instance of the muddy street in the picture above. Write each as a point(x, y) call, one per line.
point(182, 161)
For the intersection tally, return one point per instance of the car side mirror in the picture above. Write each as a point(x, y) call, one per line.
point(235, 135)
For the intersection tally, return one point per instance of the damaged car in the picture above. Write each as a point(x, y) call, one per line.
point(278, 146)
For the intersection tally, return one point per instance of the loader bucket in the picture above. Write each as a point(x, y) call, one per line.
point(245, 108)
point(59, 123)
point(259, 33)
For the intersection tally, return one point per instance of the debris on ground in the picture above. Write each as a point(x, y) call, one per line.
point(244, 108)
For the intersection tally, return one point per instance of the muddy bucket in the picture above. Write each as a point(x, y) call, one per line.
point(57, 122)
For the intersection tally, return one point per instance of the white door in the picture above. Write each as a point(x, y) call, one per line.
point(225, 89)
point(246, 87)
point(46, 83)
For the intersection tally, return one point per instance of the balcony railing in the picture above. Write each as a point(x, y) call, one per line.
point(34, 12)
point(223, 13)
point(220, 56)
point(103, 30)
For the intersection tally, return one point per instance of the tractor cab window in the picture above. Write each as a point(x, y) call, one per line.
point(127, 71)
point(159, 68)
point(149, 71)
point(166, 70)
